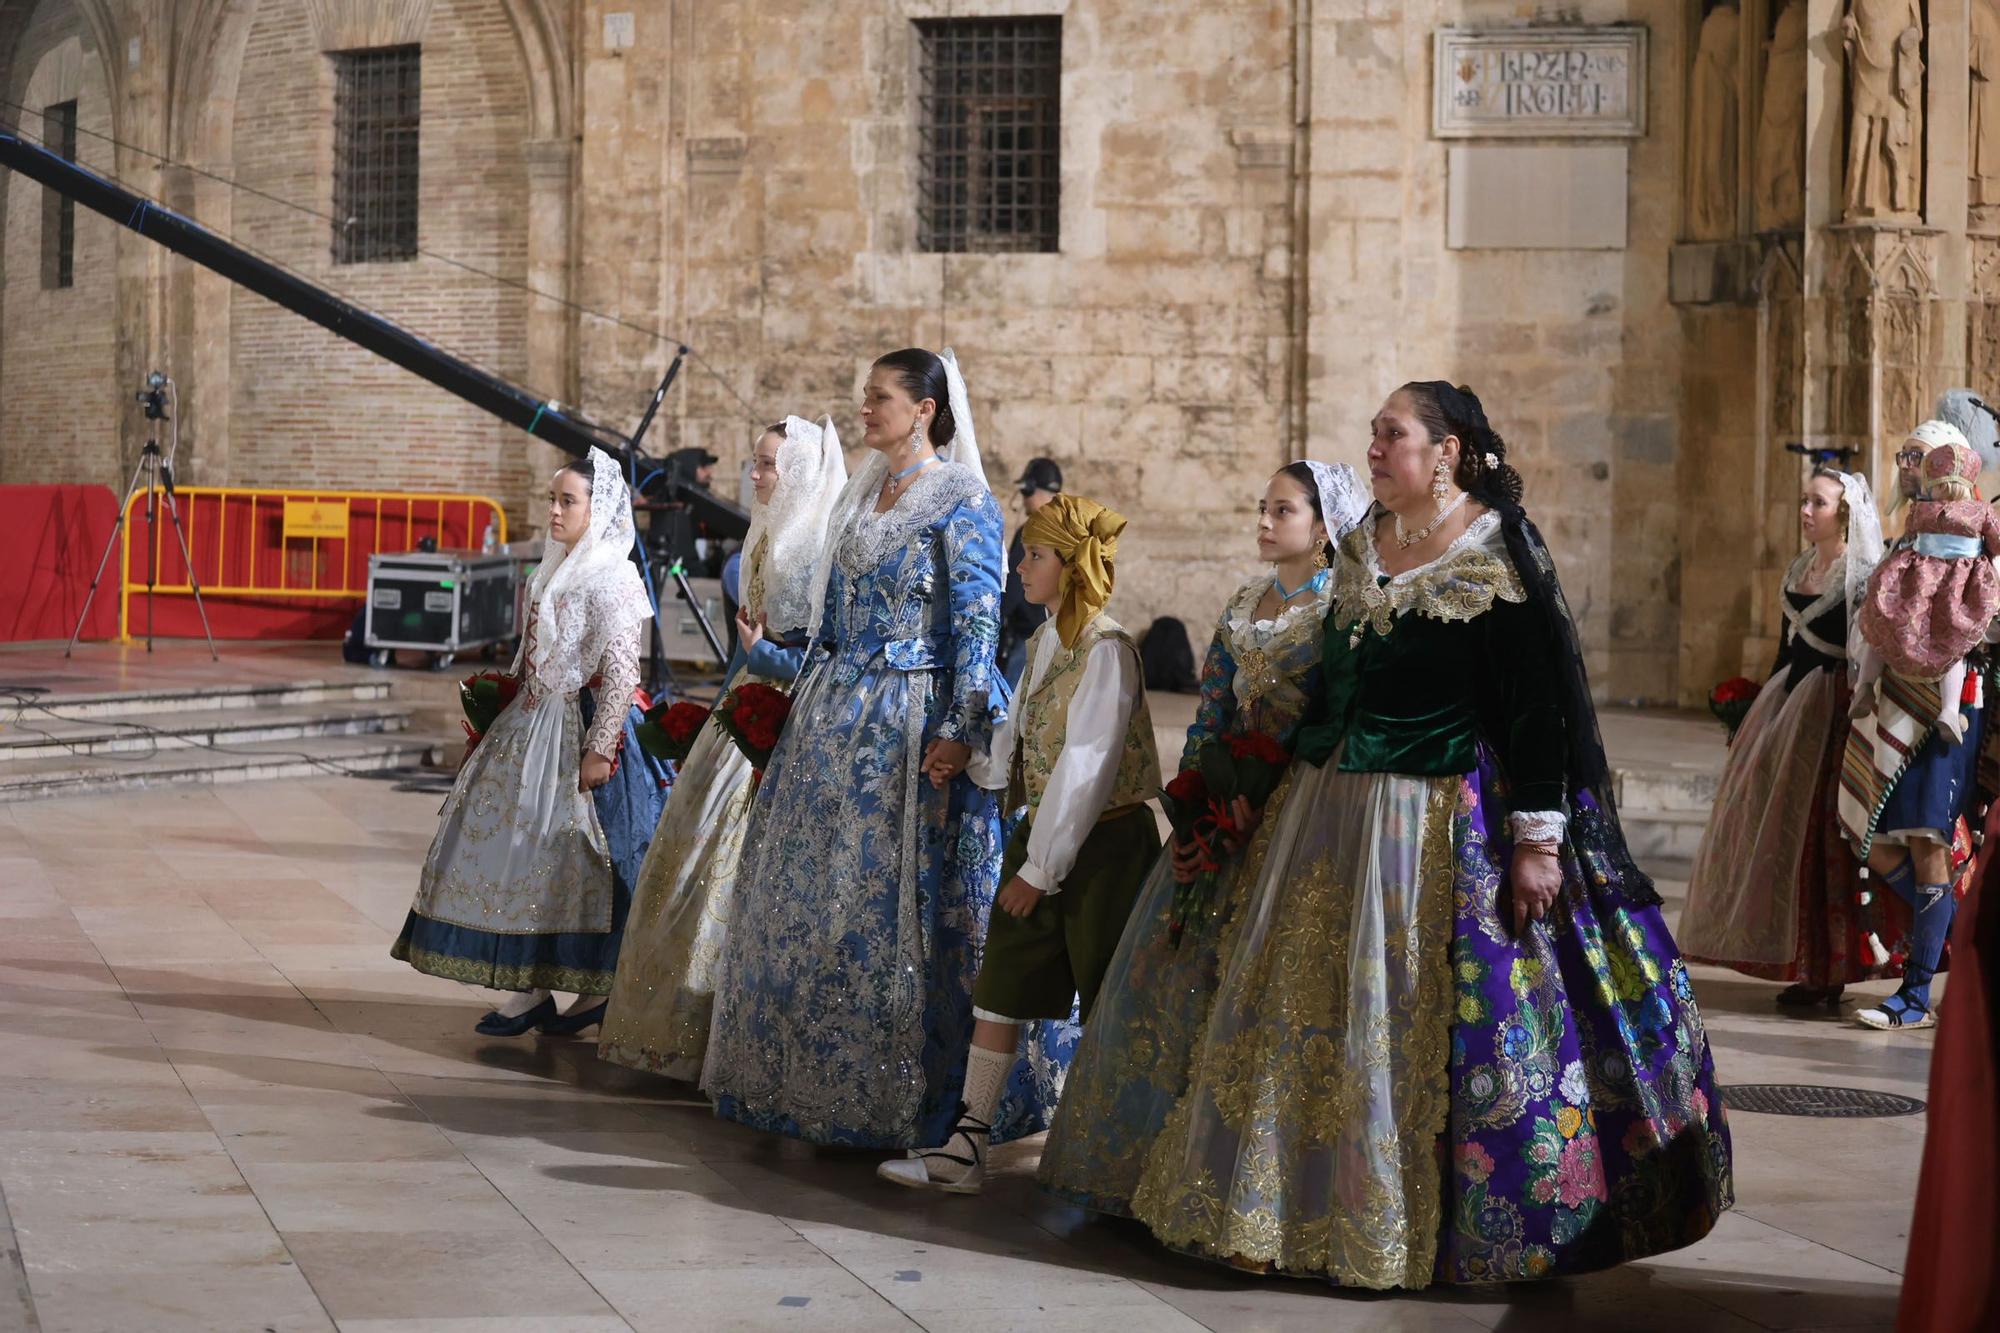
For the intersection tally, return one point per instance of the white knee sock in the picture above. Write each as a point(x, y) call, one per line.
point(520, 1002)
point(985, 1081)
point(582, 1002)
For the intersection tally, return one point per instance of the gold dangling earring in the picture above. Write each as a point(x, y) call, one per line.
point(1441, 481)
point(1319, 557)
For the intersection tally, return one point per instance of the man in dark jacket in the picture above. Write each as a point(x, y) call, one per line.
point(1041, 481)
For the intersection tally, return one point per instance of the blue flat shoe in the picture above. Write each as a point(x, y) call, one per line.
point(1896, 1014)
point(494, 1025)
point(569, 1025)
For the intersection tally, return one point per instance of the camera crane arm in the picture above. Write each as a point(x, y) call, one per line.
point(514, 405)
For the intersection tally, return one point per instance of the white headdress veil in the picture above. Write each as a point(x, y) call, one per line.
point(585, 595)
point(964, 446)
point(1343, 501)
point(1864, 552)
point(811, 472)
point(864, 485)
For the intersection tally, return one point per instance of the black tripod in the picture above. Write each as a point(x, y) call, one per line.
point(158, 471)
point(662, 672)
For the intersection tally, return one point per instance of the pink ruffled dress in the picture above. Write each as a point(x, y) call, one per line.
point(1931, 600)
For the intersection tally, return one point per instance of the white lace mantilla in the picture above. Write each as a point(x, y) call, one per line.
point(870, 537)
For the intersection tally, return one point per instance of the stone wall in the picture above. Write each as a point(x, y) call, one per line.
point(309, 408)
point(1150, 357)
point(57, 345)
point(1574, 352)
point(1253, 255)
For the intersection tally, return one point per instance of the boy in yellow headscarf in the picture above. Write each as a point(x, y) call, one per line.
point(1077, 751)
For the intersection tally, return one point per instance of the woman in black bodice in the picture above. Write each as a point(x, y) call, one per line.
point(1774, 891)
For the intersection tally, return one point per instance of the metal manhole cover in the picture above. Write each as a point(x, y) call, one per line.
point(1826, 1103)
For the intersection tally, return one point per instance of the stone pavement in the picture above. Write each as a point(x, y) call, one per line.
point(222, 1106)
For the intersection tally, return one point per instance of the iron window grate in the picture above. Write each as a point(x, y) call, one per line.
point(59, 210)
point(377, 108)
point(989, 148)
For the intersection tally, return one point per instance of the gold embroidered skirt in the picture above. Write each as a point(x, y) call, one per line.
point(664, 994)
point(1280, 1088)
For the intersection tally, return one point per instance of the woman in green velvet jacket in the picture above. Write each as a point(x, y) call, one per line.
point(1449, 1038)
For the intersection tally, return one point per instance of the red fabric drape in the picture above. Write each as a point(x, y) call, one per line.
point(1951, 1281)
point(51, 538)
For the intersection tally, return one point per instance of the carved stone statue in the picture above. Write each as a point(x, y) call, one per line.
point(1711, 122)
point(1983, 142)
point(1885, 82)
point(1781, 125)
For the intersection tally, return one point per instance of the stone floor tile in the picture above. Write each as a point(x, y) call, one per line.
point(445, 1194)
point(435, 1274)
point(205, 1299)
point(822, 1299)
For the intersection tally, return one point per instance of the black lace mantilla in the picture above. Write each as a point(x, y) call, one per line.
point(1594, 830)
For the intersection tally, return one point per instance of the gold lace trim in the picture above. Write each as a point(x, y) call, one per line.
point(1460, 585)
point(1289, 1090)
point(503, 976)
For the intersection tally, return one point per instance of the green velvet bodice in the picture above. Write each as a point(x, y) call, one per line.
point(1418, 670)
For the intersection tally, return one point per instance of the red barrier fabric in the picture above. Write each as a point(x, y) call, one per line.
point(1950, 1282)
point(51, 538)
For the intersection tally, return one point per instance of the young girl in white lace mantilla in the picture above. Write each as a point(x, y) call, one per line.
point(517, 891)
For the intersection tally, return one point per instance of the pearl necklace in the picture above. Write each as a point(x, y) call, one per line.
point(1405, 540)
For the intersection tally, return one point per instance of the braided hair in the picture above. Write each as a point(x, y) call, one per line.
point(1483, 470)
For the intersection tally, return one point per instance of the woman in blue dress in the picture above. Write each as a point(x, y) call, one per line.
point(843, 1005)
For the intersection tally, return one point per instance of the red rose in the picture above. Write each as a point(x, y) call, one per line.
point(682, 721)
point(1256, 745)
point(1188, 787)
point(1735, 690)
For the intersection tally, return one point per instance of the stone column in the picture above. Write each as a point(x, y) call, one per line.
point(139, 102)
point(551, 324)
point(198, 352)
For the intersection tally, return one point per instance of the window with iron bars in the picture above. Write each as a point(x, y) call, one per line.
point(59, 210)
point(990, 96)
point(377, 104)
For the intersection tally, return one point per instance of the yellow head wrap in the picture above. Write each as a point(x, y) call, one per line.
point(1085, 534)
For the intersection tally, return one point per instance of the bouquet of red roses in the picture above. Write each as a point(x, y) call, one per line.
point(484, 697)
point(754, 716)
point(669, 730)
point(1200, 804)
point(1730, 701)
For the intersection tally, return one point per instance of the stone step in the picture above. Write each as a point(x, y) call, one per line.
point(39, 736)
point(1661, 836)
point(125, 703)
point(1666, 788)
point(319, 756)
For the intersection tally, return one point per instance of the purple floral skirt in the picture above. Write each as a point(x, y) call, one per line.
point(1585, 1126)
point(1359, 1073)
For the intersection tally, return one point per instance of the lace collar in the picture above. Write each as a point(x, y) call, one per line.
point(934, 494)
point(1242, 617)
point(1482, 531)
point(1460, 584)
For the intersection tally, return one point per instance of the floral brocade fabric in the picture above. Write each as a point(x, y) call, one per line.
point(1132, 1065)
point(843, 999)
point(1360, 1072)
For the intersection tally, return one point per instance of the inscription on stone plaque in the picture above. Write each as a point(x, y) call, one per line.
point(1540, 83)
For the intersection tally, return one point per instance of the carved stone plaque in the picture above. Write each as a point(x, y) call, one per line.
point(1540, 83)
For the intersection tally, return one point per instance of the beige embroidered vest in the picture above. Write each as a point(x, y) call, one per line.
point(1044, 719)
